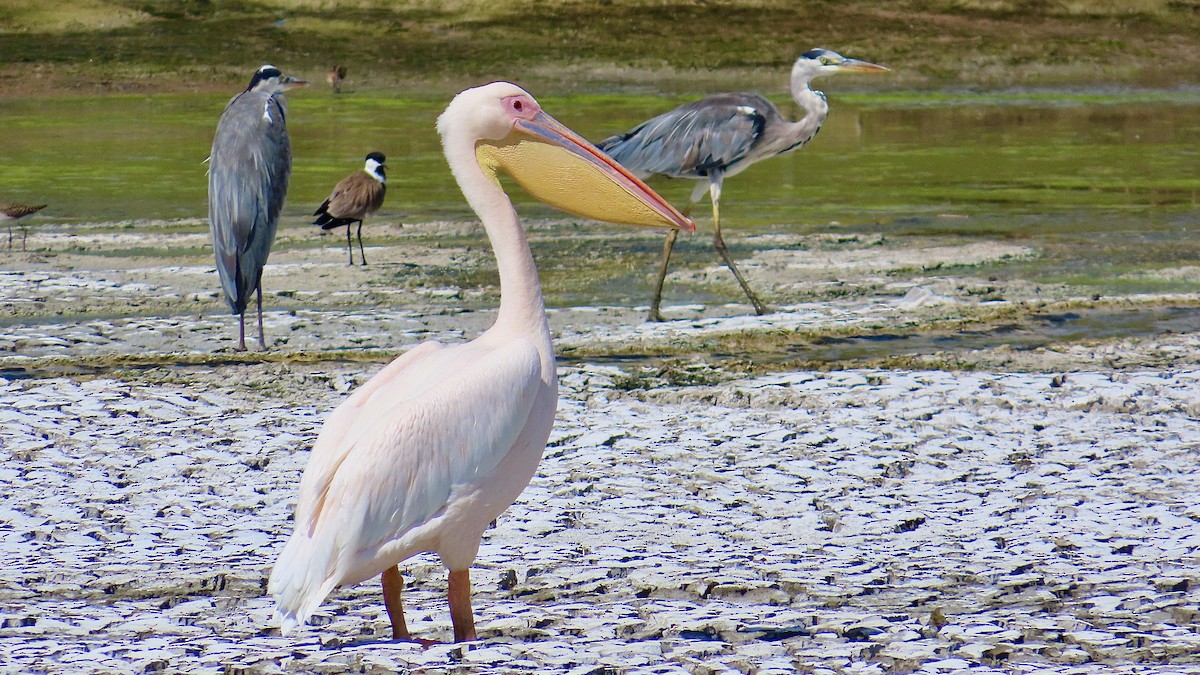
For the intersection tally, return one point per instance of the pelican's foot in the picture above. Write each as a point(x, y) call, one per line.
point(425, 644)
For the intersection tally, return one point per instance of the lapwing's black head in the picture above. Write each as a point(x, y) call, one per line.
point(375, 165)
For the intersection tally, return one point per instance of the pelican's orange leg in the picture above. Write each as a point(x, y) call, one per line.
point(393, 584)
point(461, 614)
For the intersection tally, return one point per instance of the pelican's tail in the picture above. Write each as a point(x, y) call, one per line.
point(300, 580)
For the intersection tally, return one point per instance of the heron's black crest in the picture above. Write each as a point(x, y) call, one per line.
point(377, 156)
point(813, 54)
point(264, 73)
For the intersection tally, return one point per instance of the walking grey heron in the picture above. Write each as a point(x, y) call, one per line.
point(719, 136)
point(354, 198)
point(11, 213)
point(248, 173)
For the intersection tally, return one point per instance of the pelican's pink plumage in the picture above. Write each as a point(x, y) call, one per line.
point(425, 455)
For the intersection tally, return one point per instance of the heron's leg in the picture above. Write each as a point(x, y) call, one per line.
point(10, 236)
point(668, 246)
point(393, 584)
point(262, 340)
point(241, 331)
point(719, 243)
point(460, 606)
point(656, 301)
point(24, 235)
point(360, 246)
point(349, 245)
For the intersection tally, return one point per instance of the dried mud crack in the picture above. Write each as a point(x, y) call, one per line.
point(713, 498)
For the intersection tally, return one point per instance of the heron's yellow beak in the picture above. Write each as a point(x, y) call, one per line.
point(558, 167)
point(856, 66)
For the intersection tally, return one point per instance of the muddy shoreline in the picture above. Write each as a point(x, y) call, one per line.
point(913, 464)
point(101, 296)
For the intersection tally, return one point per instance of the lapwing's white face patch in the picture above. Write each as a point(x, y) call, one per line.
point(373, 168)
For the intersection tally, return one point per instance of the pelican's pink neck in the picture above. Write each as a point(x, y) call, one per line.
point(521, 304)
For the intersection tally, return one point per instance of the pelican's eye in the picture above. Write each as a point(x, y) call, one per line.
point(521, 106)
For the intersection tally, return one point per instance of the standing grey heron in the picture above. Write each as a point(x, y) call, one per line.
point(354, 198)
point(11, 213)
point(248, 173)
point(719, 136)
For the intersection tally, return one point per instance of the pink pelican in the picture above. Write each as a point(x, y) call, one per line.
point(425, 455)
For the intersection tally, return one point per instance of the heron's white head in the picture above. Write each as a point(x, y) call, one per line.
point(268, 78)
point(376, 167)
point(507, 130)
point(818, 62)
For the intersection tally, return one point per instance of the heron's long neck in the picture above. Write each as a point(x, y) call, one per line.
point(815, 108)
point(521, 305)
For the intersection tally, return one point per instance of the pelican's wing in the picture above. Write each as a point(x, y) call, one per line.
point(331, 447)
point(408, 457)
point(693, 139)
point(248, 174)
point(398, 462)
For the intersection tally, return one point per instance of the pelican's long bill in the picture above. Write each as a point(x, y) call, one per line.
point(560, 168)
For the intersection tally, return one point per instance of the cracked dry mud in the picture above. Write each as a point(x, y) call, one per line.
point(1034, 512)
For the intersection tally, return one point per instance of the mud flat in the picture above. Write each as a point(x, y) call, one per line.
point(704, 506)
point(854, 521)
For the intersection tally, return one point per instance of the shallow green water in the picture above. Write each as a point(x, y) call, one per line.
point(1101, 184)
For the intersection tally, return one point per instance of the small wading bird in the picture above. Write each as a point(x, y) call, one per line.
point(425, 455)
point(12, 213)
point(719, 136)
point(335, 77)
point(248, 173)
point(354, 198)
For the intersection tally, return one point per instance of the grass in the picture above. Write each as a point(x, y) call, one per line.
point(591, 45)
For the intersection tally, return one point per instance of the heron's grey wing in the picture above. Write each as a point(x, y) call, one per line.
point(694, 139)
point(249, 169)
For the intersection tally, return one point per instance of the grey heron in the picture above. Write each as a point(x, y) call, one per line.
point(11, 213)
point(720, 136)
point(354, 198)
point(248, 173)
